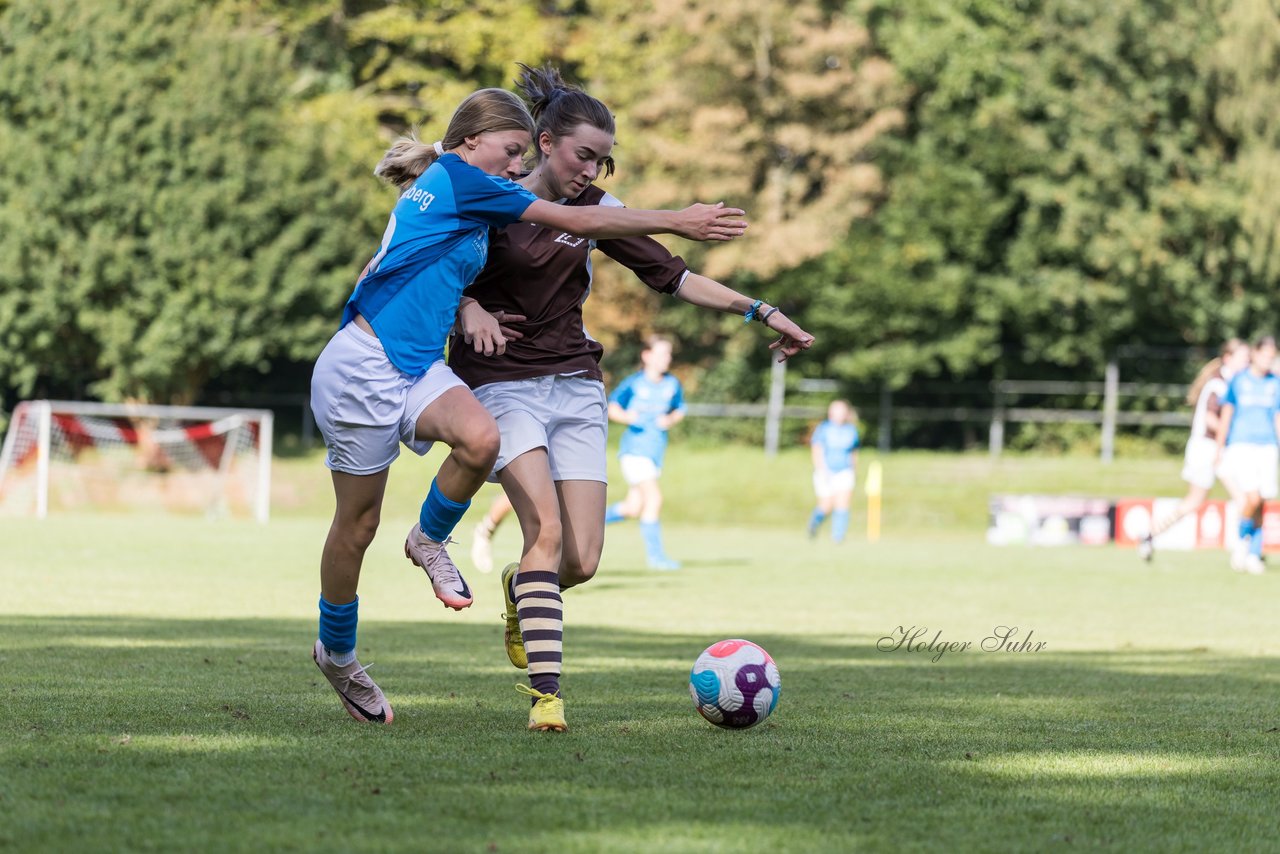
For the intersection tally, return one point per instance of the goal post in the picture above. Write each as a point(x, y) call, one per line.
point(61, 454)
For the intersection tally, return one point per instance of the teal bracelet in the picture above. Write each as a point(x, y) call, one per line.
point(751, 312)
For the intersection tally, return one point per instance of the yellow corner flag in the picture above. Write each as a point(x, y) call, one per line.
point(874, 483)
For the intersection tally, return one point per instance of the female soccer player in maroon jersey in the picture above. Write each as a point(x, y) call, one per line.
point(521, 346)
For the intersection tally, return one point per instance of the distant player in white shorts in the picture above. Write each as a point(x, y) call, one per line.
point(1249, 447)
point(1200, 462)
point(650, 402)
point(834, 447)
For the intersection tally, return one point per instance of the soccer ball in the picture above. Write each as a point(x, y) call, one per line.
point(735, 684)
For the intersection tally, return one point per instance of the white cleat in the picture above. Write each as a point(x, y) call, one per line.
point(360, 695)
point(446, 581)
point(482, 548)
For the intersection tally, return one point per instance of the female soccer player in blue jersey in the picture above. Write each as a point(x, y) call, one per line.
point(834, 447)
point(650, 402)
point(382, 380)
point(1249, 425)
point(523, 348)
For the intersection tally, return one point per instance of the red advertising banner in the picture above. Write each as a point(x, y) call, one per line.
point(1214, 526)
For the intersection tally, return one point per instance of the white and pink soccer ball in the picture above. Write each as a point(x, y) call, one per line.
point(735, 684)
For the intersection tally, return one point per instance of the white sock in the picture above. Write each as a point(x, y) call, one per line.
point(342, 658)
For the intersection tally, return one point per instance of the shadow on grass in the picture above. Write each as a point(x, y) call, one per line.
point(157, 733)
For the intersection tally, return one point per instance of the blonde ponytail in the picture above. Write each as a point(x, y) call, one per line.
point(405, 160)
point(483, 111)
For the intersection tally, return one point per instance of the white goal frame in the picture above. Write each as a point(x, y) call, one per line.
point(222, 419)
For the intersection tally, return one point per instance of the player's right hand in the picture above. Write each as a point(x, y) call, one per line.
point(487, 333)
point(710, 222)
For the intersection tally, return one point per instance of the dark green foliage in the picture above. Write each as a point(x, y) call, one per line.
point(1064, 190)
point(165, 214)
point(944, 192)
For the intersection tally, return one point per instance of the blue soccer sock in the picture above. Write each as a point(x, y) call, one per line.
point(651, 533)
point(816, 518)
point(839, 525)
point(1246, 530)
point(338, 629)
point(613, 513)
point(440, 514)
point(1255, 541)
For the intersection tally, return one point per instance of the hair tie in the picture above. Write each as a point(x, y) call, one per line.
point(439, 147)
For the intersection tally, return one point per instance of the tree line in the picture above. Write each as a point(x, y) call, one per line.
point(940, 190)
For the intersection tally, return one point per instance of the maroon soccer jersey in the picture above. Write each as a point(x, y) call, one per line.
point(545, 275)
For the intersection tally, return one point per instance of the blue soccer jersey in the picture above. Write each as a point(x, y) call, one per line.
point(1255, 400)
point(837, 442)
point(435, 244)
point(647, 401)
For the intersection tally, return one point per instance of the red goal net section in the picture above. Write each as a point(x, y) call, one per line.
point(67, 456)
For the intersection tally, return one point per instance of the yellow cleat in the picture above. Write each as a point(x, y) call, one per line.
point(512, 636)
point(546, 715)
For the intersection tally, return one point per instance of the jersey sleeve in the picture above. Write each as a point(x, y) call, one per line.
point(1230, 396)
point(623, 393)
point(489, 199)
point(857, 440)
point(677, 399)
point(816, 438)
point(652, 263)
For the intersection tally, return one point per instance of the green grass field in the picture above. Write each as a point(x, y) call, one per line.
point(159, 693)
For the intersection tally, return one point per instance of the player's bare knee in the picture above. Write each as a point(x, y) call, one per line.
point(480, 450)
point(359, 531)
point(574, 571)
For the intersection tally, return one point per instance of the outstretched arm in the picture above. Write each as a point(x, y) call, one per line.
point(696, 222)
point(708, 293)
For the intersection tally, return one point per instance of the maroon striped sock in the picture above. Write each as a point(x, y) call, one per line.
point(541, 613)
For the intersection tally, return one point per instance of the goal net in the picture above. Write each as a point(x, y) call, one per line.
point(64, 455)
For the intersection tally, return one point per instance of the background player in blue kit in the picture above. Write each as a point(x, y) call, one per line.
point(1250, 424)
point(650, 402)
point(835, 455)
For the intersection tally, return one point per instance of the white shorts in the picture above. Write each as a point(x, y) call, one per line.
point(567, 415)
point(1251, 468)
point(365, 406)
point(637, 469)
point(829, 483)
point(1198, 467)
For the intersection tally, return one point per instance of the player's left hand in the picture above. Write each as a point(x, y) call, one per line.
point(793, 340)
